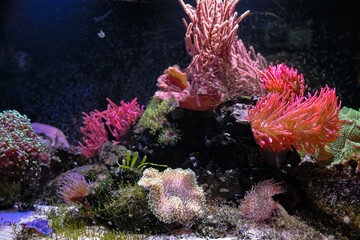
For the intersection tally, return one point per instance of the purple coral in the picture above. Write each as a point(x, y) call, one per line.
point(40, 226)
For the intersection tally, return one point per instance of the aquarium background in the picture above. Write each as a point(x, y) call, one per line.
point(59, 58)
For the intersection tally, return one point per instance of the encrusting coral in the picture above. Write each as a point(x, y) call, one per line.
point(154, 117)
point(174, 195)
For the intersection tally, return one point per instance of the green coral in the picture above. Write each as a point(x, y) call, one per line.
point(347, 147)
point(20, 147)
point(154, 117)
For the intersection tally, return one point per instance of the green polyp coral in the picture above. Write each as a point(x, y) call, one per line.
point(154, 118)
point(347, 147)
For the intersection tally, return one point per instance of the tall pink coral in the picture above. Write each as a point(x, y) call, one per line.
point(221, 67)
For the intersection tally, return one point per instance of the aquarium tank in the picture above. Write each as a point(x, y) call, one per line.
point(179, 119)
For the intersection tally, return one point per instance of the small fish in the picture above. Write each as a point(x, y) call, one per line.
point(101, 34)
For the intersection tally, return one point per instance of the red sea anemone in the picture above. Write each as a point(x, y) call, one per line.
point(307, 123)
point(283, 79)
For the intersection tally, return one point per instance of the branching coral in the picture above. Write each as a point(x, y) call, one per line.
point(95, 135)
point(119, 119)
point(116, 119)
point(174, 195)
point(221, 67)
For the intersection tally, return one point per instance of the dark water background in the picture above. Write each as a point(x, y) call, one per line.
point(53, 64)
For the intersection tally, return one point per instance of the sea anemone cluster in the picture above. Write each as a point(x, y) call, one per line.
point(287, 118)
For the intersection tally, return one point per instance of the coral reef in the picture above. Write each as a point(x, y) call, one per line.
point(334, 197)
point(125, 208)
point(174, 195)
point(224, 221)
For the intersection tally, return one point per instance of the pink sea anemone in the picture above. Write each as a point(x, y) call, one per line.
point(258, 204)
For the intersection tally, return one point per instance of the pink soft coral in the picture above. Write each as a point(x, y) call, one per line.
point(119, 119)
point(94, 132)
point(258, 204)
point(221, 67)
point(116, 120)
